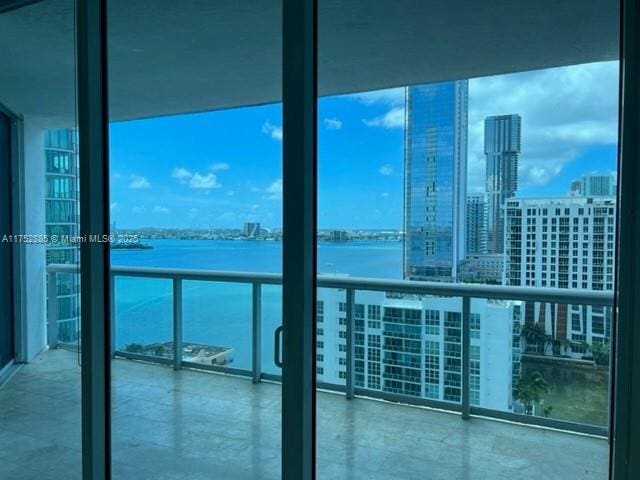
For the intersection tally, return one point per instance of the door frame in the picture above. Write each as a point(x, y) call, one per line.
point(17, 279)
point(299, 237)
point(299, 152)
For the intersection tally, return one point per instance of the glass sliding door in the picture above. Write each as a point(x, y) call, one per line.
point(196, 250)
point(445, 182)
point(41, 402)
point(7, 349)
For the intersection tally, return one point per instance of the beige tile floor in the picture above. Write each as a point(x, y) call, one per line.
point(194, 425)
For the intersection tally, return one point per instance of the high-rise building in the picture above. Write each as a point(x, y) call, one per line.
point(412, 346)
point(435, 180)
point(482, 268)
point(501, 148)
point(62, 223)
point(594, 186)
point(476, 224)
point(563, 243)
point(251, 229)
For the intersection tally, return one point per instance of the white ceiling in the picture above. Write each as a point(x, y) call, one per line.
point(169, 57)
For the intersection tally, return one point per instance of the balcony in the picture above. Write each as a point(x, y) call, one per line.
point(191, 424)
point(188, 406)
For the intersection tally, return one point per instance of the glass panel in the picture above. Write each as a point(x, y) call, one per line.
point(271, 319)
point(7, 347)
point(143, 316)
point(217, 324)
point(40, 402)
point(331, 337)
point(436, 167)
point(196, 192)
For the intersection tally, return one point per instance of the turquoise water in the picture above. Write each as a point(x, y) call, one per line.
point(220, 313)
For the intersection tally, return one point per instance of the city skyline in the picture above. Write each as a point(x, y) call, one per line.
point(212, 178)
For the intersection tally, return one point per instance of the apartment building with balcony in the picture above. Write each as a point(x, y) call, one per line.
point(566, 243)
point(411, 345)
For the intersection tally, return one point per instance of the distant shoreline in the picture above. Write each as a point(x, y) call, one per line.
point(320, 240)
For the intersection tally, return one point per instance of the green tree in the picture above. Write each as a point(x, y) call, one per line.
point(535, 336)
point(530, 389)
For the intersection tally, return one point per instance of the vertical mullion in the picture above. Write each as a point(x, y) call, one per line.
point(112, 326)
point(625, 422)
point(299, 238)
point(351, 294)
point(256, 331)
point(177, 323)
point(466, 355)
point(95, 280)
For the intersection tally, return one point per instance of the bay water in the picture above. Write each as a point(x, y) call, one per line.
point(216, 313)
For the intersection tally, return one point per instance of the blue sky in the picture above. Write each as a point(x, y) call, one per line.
point(221, 169)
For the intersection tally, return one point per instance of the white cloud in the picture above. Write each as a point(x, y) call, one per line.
point(274, 191)
point(219, 166)
point(181, 174)
point(274, 131)
point(114, 207)
point(394, 118)
point(195, 180)
point(115, 176)
point(161, 209)
point(386, 170)
point(384, 194)
point(332, 124)
point(564, 112)
point(138, 210)
point(138, 182)
point(205, 182)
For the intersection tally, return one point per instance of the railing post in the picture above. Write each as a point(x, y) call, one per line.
point(177, 323)
point(256, 327)
point(52, 310)
point(466, 350)
point(350, 342)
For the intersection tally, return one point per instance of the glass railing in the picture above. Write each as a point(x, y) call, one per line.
point(531, 355)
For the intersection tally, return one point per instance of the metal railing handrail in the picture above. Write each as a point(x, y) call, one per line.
point(493, 292)
point(351, 285)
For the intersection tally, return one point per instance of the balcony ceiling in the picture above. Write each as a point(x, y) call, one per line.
point(169, 57)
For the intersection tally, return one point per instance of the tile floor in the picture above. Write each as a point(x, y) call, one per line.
point(194, 425)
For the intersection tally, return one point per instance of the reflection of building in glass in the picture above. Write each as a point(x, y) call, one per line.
point(563, 243)
point(476, 224)
point(61, 221)
point(435, 180)
point(412, 346)
point(501, 147)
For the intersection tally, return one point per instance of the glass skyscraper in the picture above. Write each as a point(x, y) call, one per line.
point(62, 222)
point(501, 147)
point(435, 180)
